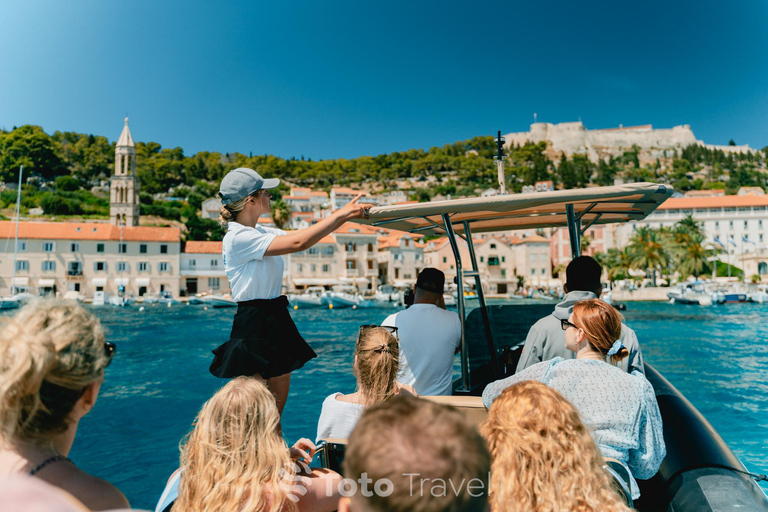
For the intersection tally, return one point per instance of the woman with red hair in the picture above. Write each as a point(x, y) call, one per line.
point(620, 409)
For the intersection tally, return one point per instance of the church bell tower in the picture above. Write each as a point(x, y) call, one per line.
point(124, 185)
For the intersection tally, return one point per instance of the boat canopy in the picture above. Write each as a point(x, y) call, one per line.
point(576, 209)
point(598, 205)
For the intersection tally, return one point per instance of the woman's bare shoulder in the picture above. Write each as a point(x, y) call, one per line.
point(95, 493)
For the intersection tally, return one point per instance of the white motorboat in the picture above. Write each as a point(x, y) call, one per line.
point(312, 297)
point(450, 299)
point(218, 301)
point(100, 298)
point(690, 293)
point(342, 296)
point(699, 471)
point(760, 295)
point(387, 293)
point(15, 301)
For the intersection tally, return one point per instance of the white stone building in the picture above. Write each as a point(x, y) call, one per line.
point(202, 269)
point(124, 184)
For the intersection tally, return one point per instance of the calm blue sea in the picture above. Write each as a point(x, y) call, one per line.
point(717, 356)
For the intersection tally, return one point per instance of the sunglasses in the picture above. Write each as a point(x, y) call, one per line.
point(109, 350)
point(389, 328)
point(565, 324)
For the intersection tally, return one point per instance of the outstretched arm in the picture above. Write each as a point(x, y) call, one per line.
point(306, 238)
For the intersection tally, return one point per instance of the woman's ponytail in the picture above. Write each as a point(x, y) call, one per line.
point(50, 352)
point(377, 357)
point(25, 360)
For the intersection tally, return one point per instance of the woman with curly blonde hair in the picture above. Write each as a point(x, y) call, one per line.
point(235, 459)
point(620, 409)
point(52, 361)
point(543, 458)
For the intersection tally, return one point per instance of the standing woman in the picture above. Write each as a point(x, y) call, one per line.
point(264, 341)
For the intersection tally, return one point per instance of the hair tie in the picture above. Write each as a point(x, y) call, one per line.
point(383, 348)
point(617, 345)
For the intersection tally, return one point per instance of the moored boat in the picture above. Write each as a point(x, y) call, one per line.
point(312, 297)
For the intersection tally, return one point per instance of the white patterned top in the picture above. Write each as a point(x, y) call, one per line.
point(620, 409)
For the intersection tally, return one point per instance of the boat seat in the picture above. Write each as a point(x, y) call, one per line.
point(471, 406)
point(620, 479)
point(330, 453)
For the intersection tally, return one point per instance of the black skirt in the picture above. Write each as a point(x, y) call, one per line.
point(264, 340)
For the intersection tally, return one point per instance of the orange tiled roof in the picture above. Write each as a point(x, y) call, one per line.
point(532, 239)
point(203, 247)
point(88, 231)
point(319, 193)
point(362, 228)
point(347, 190)
point(296, 198)
point(713, 202)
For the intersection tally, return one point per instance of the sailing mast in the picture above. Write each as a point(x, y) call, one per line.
point(16, 241)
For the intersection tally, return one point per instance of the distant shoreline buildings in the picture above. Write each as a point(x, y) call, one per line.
point(88, 257)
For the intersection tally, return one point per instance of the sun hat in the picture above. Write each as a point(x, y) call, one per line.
point(431, 280)
point(242, 182)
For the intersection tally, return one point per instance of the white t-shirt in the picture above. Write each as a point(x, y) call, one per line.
point(337, 419)
point(251, 274)
point(429, 336)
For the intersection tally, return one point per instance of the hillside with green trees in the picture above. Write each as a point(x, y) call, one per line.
point(64, 168)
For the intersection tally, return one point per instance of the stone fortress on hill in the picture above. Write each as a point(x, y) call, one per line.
point(575, 138)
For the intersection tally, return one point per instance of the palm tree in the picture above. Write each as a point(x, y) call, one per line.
point(693, 258)
point(646, 248)
point(281, 213)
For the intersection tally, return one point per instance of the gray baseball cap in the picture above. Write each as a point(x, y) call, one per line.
point(241, 182)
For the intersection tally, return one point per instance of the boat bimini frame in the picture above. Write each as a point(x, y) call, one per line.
point(578, 210)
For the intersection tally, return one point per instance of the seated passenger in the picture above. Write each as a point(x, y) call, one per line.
point(542, 456)
point(235, 460)
point(52, 361)
point(408, 454)
point(619, 408)
point(375, 366)
point(429, 337)
point(546, 340)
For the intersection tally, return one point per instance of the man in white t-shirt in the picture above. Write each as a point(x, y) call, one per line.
point(429, 337)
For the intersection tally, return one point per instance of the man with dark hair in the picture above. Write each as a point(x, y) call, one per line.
point(546, 339)
point(429, 337)
point(407, 454)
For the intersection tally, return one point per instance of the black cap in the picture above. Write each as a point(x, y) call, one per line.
point(431, 280)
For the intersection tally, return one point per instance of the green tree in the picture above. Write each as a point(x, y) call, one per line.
point(281, 214)
point(647, 251)
point(31, 147)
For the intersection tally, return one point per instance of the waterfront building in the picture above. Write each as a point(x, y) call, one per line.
point(211, 208)
point(400, 258)
point(600, 238)
point(124, 184)
point(86, 257)
point(500, 261)
point(202, 269)
point(347, 256)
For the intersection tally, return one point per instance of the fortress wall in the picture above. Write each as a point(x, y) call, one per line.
point(574, 137)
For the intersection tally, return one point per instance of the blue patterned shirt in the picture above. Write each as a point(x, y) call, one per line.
point(620, 409)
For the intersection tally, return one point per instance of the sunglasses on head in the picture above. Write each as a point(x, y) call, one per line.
point(389, 328)
point(565, 324)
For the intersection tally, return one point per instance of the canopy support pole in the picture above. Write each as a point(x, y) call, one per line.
point(460, 289)
point(481, 299)
point(574, 231)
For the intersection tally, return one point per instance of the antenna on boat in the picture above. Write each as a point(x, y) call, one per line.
point(500, 162)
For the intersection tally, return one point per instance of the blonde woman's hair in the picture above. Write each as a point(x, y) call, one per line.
point(377, 356)
point(235, 458)
point(543, 458)
point(50, 352)
point(601, 324)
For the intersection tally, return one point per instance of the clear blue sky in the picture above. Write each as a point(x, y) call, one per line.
point(341, 79)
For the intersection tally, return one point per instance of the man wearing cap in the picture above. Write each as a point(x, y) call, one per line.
point(429, 337)
point(264, 341)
